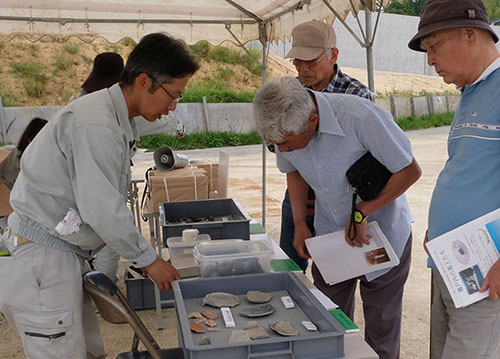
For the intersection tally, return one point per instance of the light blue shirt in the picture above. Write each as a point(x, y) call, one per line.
point(468, 186)
point(349, 126)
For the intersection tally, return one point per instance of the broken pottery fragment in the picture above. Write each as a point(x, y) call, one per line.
point(199, 320)
point(210, 314)
point(195, 315)
point(255, 331)
point(197, 327)
point(256, 296)
point(205, 341)
point(213, 329)
point(210, 322)
point(239, 336)
point(258, 311)
point(284, 327)
point(221, 299)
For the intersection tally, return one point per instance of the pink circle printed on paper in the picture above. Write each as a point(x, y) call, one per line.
point(460, 251)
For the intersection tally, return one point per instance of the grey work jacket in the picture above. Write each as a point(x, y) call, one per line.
point(81, 160)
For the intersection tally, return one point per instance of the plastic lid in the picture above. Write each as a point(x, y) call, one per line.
point(215, 248)
point(177, 242)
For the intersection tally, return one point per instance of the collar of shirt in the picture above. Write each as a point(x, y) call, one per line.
point(337, 81)
point(121, 110)
point(330, 126)
point(487, 72)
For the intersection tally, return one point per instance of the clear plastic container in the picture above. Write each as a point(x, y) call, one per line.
point(178, 248)
point(216, 259)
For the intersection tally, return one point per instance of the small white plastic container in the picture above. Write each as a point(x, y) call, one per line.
point(177, 247)
point(216, 259)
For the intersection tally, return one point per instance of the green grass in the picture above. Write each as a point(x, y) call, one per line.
point(251, 60)
point(200, 140)
point(71, 49)
point(228, 139)
point(215, 92)
point(31, 72)
point(426, 121)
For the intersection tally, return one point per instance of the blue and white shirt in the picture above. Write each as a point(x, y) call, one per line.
point(350, 126)
point(468, 186)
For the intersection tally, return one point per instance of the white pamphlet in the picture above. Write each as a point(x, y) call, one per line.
point(338, 261)
point(464, 255)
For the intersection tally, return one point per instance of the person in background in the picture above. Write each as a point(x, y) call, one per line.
point(314, 54)
point(69, 201)
point(108, 67)
point(318, 140)
point(9, 168)
point(460, 44)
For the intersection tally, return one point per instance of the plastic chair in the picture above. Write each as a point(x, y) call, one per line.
point(114, 308)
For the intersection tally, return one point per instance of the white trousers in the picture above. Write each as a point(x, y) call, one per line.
point(42, 297)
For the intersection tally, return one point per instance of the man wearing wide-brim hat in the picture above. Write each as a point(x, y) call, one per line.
point(460, 45)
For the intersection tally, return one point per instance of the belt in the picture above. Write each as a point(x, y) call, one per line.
point(18, 240)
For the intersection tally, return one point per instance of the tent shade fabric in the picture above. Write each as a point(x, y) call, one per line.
point(191, 21)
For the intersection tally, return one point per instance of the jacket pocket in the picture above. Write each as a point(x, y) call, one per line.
point(46, 334)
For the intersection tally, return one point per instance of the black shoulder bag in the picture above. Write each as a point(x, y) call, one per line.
point(367, 176)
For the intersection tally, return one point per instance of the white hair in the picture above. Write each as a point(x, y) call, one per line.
point(282, 107)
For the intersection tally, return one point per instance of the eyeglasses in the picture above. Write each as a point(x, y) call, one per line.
point(174, 99)
point(310, 63)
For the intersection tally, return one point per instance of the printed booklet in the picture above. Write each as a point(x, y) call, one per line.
point(464, 255)
point(337, 261)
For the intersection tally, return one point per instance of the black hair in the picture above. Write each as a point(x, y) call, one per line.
point(30, 132)
point(160, 56)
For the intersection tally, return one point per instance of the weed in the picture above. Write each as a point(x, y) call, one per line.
point(129, 42)
point(202, 49)
point(35, 85)
point(26, 69)
point(63, 61)
point(113, 47)
point(65, 94)
point(200, 140)
point(215, 92)
point(71, 49)
point(224, 73)
point(426, 121)
point(7, 99)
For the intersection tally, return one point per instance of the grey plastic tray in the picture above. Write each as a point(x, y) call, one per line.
point(232, 229)
point(327, 342)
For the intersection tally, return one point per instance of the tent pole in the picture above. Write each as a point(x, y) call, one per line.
point(369, 49)
point(264, 147)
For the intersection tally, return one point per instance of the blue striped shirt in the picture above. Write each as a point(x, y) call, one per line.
point(467, 187)
point(350, 126)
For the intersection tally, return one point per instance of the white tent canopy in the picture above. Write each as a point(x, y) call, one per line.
point(215, 21)
point(192, 20)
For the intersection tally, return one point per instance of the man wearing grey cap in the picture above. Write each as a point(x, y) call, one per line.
point(314, 55)
point(460, 45)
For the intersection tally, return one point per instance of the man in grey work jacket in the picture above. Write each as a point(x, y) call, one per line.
point(318, 136)
point(78, 169)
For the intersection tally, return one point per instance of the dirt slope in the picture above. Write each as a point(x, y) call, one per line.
point(66, 65)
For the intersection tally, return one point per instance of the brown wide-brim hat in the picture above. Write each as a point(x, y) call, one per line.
point(449, 14)
point(108, 67)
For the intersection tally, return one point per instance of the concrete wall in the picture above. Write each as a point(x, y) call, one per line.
point(390, 47)
point(213, 117)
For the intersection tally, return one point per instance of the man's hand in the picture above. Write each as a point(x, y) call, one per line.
point(492, 281)
point(302, 232)
point(162, 273)
point(361, 236)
